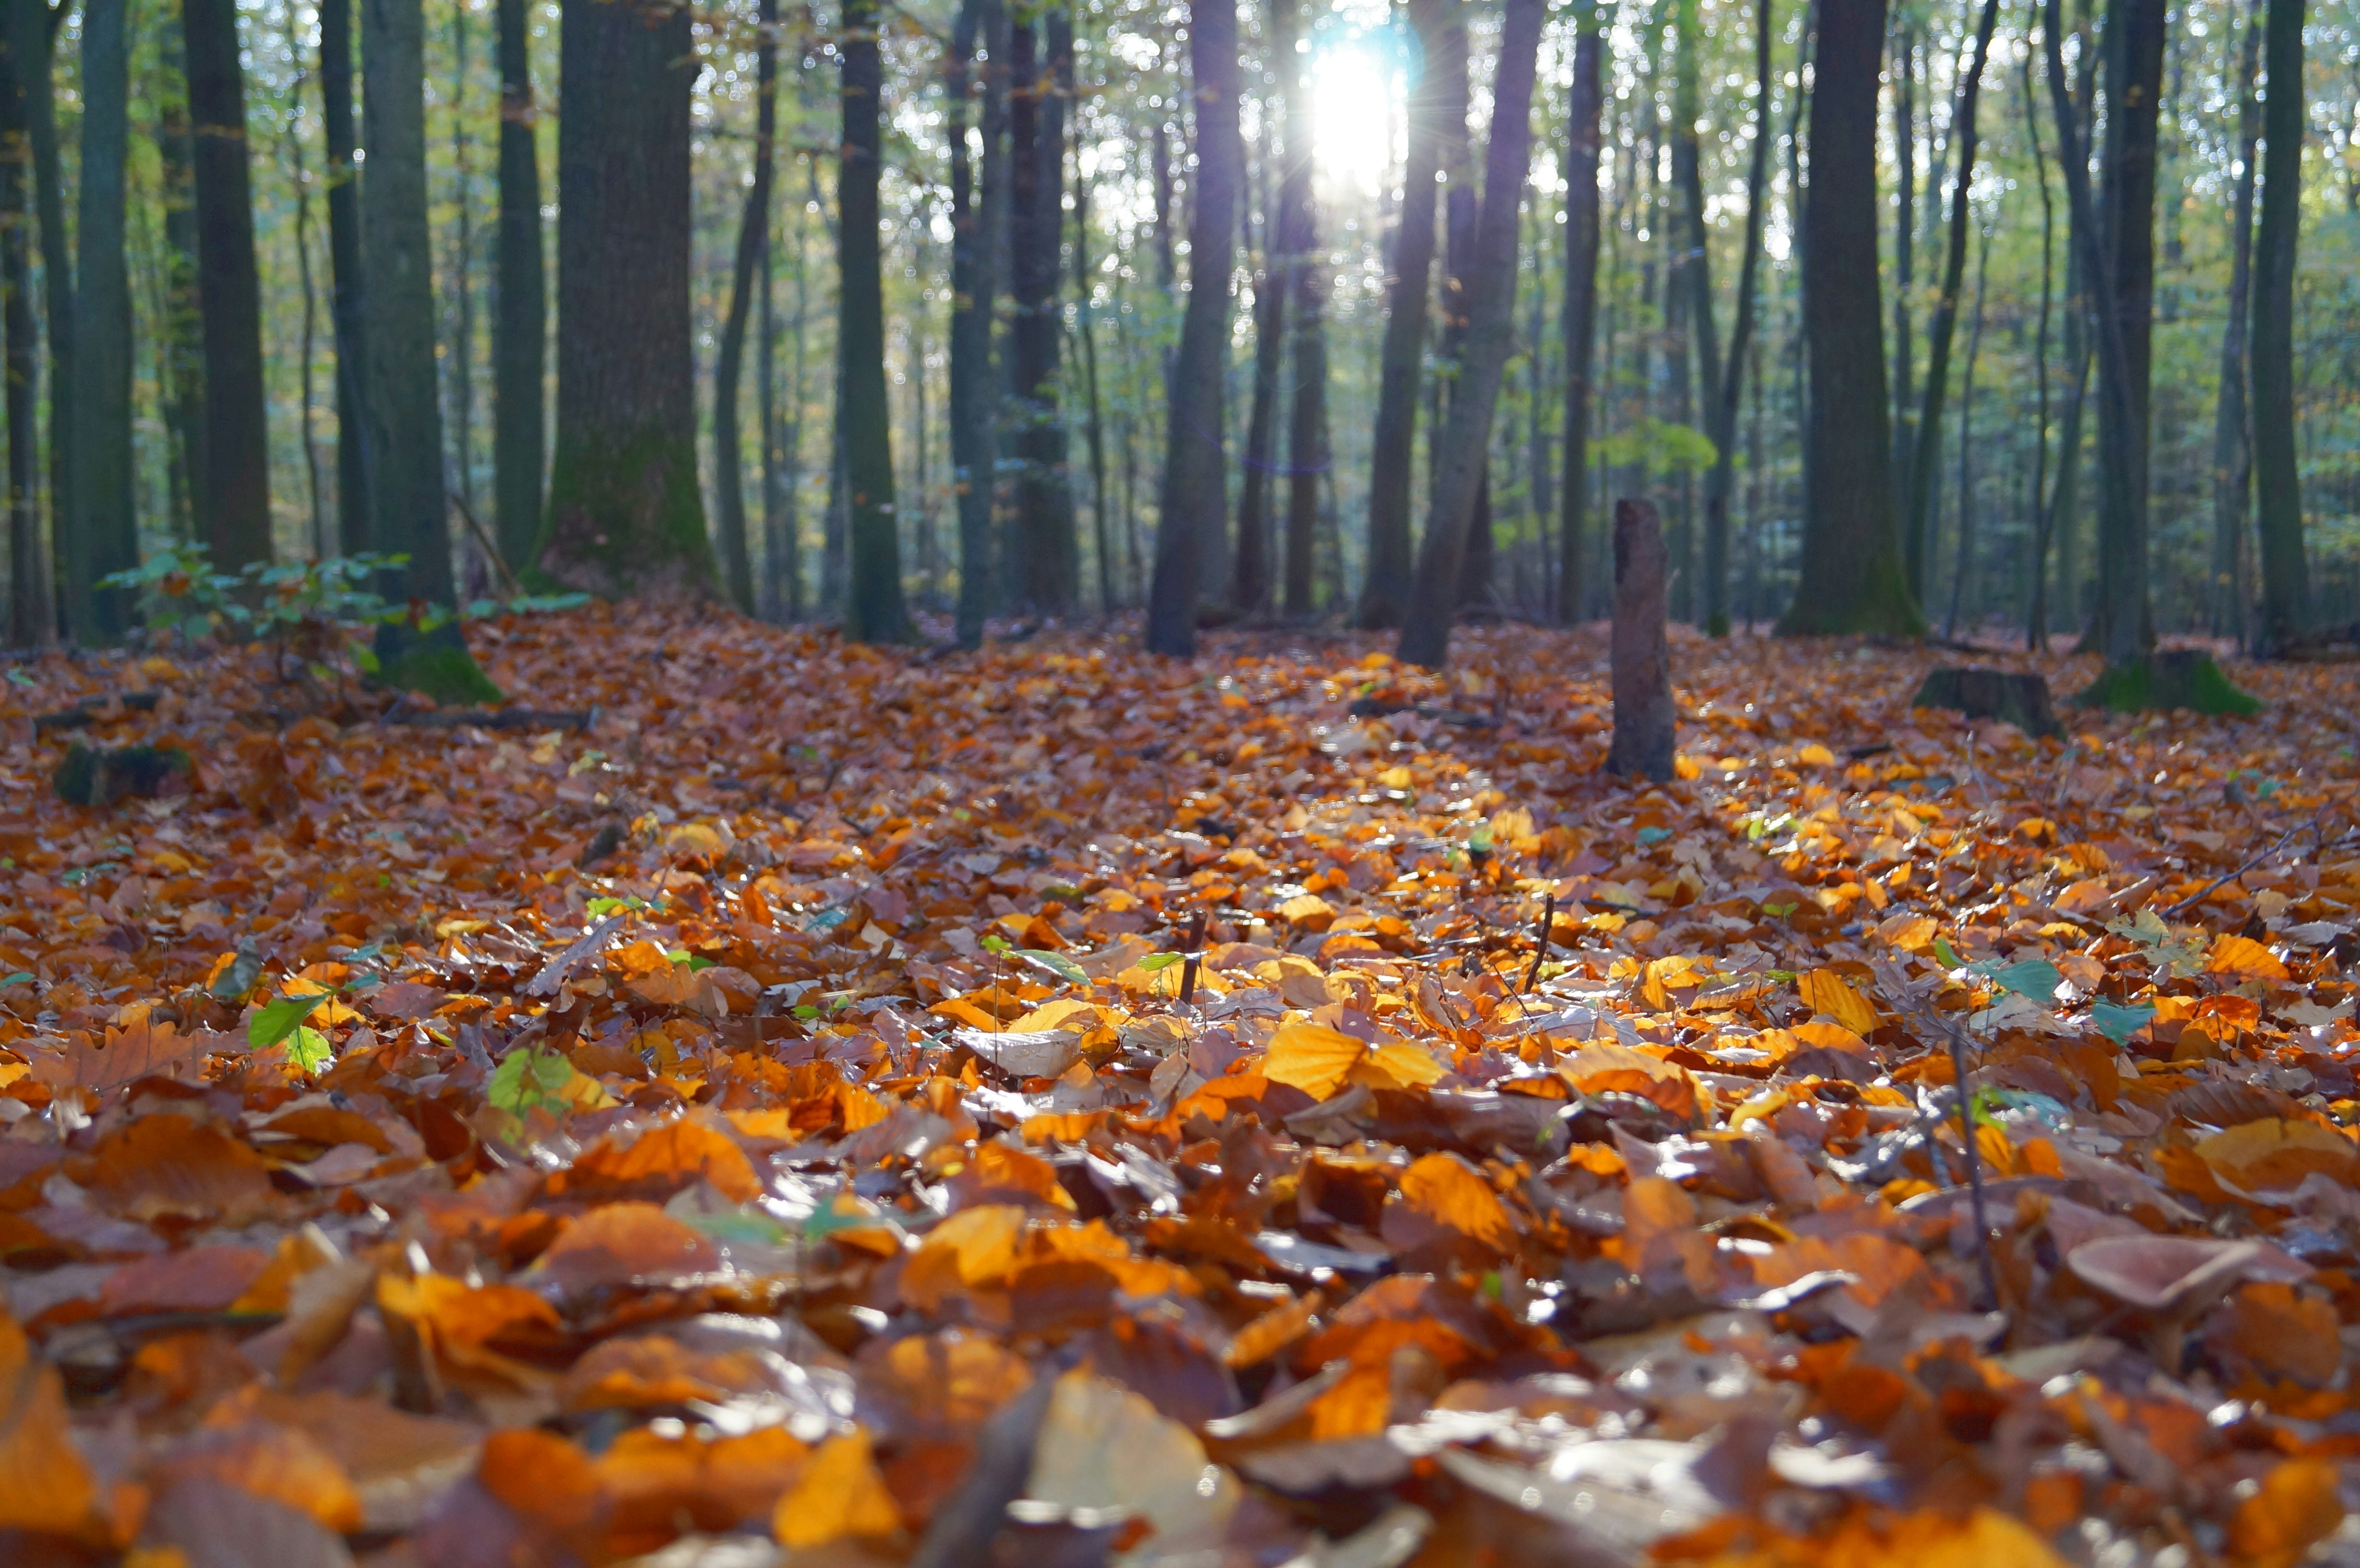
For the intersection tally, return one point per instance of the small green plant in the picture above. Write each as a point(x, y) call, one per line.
point(306, 609)
point(176, 592)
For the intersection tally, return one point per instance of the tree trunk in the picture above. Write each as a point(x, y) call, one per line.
point(2134, 35)
point(518, 351)
point(1385, 593)
point(2036, 622)
point(1460, 211)
point(1252, 584)
point(1085, 317)
point(104, 535)
point(1194, 504)
point(624, 515)
point(1904, 269)
point(1490, 280)
point(1918, 501)
point(974, 249)
point(238, 431)
point(1966, 554)
point(32, 29)
point(1580, 314)
point(2285, 608)
point(30, 601)
point(1309, 281)
point(459, 358)
point(1046, 575)
point(1730, 389)
point(1852, 579)
point(1644, 736)
point(348, 300)
point(786, 538)
point(306, 357)
point(410, 503)
point(730, 362)
point(2233, 451)
point(1693, 273)
point(873, 610)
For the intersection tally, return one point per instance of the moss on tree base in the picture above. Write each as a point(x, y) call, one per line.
point(434, 664)
point(2175, 678)
point(626, 520)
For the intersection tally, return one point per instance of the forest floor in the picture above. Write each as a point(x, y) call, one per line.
point(779, 1122)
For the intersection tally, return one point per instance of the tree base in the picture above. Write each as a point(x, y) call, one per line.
point(2174, 678)
point(2019, 699)
point(99, 776)
point(434, 664)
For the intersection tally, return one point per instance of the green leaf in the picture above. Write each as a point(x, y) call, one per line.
point(527, 1078)
point(599, 908)
point(22, 977)
point(994, 942)
point(1155, 960)
point(805, 1010)
point(1947, 954)
point(2118, 1022)
point(1056, 963)
point(281, 1018)
point(2034, 977)
point(309, 1049)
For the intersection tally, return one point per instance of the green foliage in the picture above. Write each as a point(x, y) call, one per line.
point(1661, 446)
point(531, 1080)
point(2161, 682)
point(276, 1020)
point(177, 591)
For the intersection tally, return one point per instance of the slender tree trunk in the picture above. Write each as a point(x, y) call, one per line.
point(460, 360)
point(1160, 154)
point(974, 249)
point(1309, 281)
point(302, 175)
point(626, 517)
point(520, 324)
point(104, 535)
point(873, 609)
point(1251, 585)
point(2285, 599)
point(347, 302)
point(412, 502)
point(1085, 317)
point(2233, 452)
point(2135, 36)
point(1385, 593)
point(1045, 562)
point(1966, 554)
point(1580, 314)
point(789, 540)
point(1919, 505)
point(1460, 209)
point(1490, 332)
point(1905, 270)
point(238, 431)
point(32, 27)
point(30, 602)
point(1194, 478)
point(1852, 577)
point(2035, 625)
point(1726, 396)
point(770, 602)
point(179, 327)
point(730, 362)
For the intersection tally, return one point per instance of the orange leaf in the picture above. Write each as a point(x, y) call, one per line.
point(44, 1486)
point(1312, 1057)
point(1825, 991)
point(2270, 1155)
point(1449, 1192)
point(2297, 1506)
point(2243, 957)
point(838, 1494)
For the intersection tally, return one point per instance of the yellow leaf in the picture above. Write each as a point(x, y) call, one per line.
point(2243, 957)
point(1825, 991)
point(1816, 756)
point(1312, 1057)
point(2296, 1507)
point(1449, 1192)
point(1407, 1064)
point(974, 1246)
point(838, 1493)
point(2270, 1155)
point(44, 1487)
point(1308, 910)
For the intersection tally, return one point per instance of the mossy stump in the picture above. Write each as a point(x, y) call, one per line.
point(2168, 679)
point(99, 776)
point(1979, 694)
point(433, 663)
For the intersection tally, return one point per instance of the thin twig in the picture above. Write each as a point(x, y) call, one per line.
point(2206, 891)
point(491, 552)
point(1548, 924)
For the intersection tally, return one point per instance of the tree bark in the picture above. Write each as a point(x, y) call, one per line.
point(30, 600)
point(104, 535)
point(32, 28)
point(2278, 483)
point(1309, 281)
point(347, 300)
point(307, 356)
point(1852, 579)
point(730, 362)
point(1465, 450)
point(2233, 451)
point(237, 433)
point(1966, 553)
point(1730, 389)
point(2036, 621)
point(974, 248)
point(1927, 444)
point(1580, 314)
point(519, 352)
point(1194, 505)
point(1251, 584)
point(1085, 316)
point(2135, 37)
point(1644, 735)
point(624, 515)
point(1904, 267)
point(1385, 593)
point(873, 608)
point(1047, 578)
point(409, 502)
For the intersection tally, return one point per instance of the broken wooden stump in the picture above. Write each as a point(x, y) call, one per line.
point(1643, 663)
point(1980, 693)
point(99, 776)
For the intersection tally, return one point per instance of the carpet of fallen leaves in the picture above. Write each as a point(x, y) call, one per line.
point(1055, 1107)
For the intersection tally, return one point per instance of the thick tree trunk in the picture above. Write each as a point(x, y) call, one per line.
point(237, 433)
point(625, 515)
point(730, 362)
point(2135, 36)
point(1309, 281)
point(347, 305)
point(2233, 451)
point(1251, 588)
point(104, 535)
point(873, 609)
point(1693, 273)
point(1580, 314)
point(1644, 735)
point(974, 249)
point(410, 503)
point(520, 328)
point(1047, 575)
point(2278, 483)
point(1465, 450)
point(30, 600)
point(1384, 594)
point(1926, 446)
point(1852, 579)
point(1726, 395)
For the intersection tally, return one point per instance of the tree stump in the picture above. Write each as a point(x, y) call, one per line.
point(101, 775)
point(1643, 665)
point(2166, 679)
point(1979, 694)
